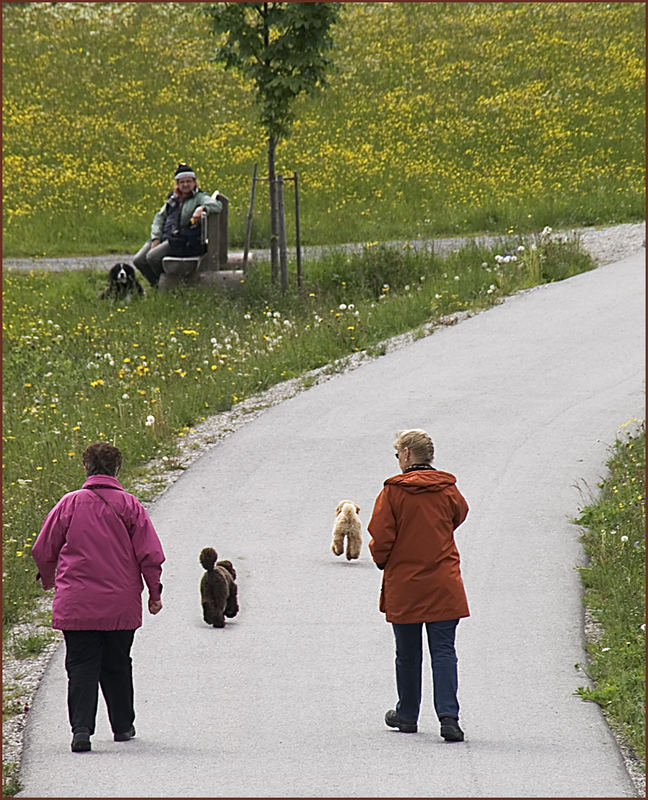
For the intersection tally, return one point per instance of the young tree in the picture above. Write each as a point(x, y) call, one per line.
point(281, 47)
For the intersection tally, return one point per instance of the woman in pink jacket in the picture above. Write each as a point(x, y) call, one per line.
point(95, 547)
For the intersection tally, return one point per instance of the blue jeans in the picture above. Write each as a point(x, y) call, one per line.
point(409, 658)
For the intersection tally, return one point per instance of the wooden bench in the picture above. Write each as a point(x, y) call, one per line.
point(211, 267)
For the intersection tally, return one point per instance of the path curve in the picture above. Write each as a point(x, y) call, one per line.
point(522, 401)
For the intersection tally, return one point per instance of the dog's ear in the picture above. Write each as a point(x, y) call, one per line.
point(339, 507)
point(357, 508)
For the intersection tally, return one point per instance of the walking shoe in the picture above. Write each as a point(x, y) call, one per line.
point(81, 741)
point(394, 721)
point(124, 737)
point(450, 729)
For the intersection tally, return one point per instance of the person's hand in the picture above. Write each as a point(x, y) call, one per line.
point(154, 243)
point(154, 606)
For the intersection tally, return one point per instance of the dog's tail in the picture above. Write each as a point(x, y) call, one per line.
point(208, 558)
point(229, 567)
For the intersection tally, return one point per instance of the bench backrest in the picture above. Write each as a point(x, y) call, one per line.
point(216, 224)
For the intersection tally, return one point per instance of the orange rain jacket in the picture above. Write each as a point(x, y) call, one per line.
point(412, 527)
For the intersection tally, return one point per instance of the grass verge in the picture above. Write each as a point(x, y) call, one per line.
point(11, 785)
point(614, 538)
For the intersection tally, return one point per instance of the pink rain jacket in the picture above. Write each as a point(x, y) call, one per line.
point(95, 561)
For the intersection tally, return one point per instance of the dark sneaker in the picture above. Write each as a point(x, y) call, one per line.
point(394, 721)
point(124, 737)
point(81, 741)
point(450, 729)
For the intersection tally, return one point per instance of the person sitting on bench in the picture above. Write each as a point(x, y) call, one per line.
point(176, 229)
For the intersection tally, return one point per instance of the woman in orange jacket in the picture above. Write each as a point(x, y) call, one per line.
point(412, 529)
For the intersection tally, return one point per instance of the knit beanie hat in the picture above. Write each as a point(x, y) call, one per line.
point(184, 171)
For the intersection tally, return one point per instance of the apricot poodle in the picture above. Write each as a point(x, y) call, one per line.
point(347, 526)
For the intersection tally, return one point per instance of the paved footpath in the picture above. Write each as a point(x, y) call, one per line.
point(288, 700)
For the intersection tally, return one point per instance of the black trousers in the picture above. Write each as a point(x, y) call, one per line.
point(99, 658)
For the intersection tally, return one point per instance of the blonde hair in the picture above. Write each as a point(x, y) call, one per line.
point(418, 441)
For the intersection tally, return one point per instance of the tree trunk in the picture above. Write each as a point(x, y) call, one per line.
point(274, 222)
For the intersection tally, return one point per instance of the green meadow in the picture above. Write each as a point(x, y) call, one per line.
point(440, 118)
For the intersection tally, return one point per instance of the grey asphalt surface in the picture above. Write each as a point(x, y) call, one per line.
point(288, 700)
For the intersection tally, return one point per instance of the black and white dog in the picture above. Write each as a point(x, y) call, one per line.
point(122, 283)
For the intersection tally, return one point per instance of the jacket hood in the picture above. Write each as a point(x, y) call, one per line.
point(422, 480)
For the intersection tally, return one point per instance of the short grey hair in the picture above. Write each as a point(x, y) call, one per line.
point(418, 441)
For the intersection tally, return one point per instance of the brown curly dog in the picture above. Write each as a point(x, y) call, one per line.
point(218, 590)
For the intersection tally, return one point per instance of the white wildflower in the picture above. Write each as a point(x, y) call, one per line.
point(150, 420)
